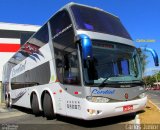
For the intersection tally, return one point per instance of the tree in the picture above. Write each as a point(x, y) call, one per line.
point(144, 62)
point(158, 76)
point(143, 58)
point(149, 80)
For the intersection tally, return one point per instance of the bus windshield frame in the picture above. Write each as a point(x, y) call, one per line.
point(113, 63)
point(91, 19)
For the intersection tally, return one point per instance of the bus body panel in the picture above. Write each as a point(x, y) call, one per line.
point(113, 109)
point(105, 37)
point(72, 106)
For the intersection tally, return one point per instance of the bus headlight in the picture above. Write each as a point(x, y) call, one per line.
point(98, 99)
point(142, 95)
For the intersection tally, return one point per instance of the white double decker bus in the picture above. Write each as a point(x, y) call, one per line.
point(81, 63)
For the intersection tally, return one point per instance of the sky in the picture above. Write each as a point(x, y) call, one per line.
point(140, 17)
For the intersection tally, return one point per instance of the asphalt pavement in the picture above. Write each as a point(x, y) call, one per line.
point(22, 119)
point(154, 96)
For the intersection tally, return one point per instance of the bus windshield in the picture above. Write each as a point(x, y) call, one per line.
point(112, 63)
point(91, 19)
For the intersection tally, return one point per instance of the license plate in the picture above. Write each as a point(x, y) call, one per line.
point(127, 108)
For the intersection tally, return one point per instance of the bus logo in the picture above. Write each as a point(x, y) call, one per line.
point(95, 91)
point(126, 95)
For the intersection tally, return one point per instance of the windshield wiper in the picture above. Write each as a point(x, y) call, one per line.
point(101, 84)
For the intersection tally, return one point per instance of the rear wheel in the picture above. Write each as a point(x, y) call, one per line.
point(48, 107)
point(7, 101)
point(35, 105)
point(10, 102)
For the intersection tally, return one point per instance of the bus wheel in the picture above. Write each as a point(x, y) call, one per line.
point(10, 102)
point(48, 107)
point(6, 101)
point(35, 106)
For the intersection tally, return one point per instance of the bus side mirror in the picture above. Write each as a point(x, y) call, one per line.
point(86, 46)
point(153, 52)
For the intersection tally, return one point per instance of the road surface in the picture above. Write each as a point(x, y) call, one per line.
point(154, 96)
point(20, 118)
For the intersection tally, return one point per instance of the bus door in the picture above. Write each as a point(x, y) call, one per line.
point(71, 80)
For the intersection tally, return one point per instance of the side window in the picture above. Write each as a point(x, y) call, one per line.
point(67, 66)
point(59, 22)
point(59, 63)
point(62, 30)
point(41, 36)
point(32, 46)
point(37, 76)
point(71, 67)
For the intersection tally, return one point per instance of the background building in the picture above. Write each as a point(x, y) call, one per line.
point(12, 36)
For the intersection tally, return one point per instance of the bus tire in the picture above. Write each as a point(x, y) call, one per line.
point(48, 107)
point(7, 101)
point(10, 102)
point(35, 105)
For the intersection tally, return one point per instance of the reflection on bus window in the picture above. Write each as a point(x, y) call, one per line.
point(71, 69)
point(67, 66)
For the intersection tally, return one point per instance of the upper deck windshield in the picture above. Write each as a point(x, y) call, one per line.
point(113, 64)
point(91, 19)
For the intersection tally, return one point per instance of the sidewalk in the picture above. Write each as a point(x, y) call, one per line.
point(8, 113)
point(3, 108)
point(151, 114)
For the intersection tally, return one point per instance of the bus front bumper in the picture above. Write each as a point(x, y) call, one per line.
point(103, 110)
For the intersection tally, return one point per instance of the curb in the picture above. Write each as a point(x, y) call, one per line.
point(2, 105)
point(3, 110)
point(137, 122)
point(11, 114)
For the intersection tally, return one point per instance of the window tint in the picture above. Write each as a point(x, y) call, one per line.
point(59, 63)
point(66, 58)
point(32, 46)
point(98, 21)
point(41, 36)
point(60, 22)
point(65, 36)
point(37, 76)
point(71, 67)
point(67, 65)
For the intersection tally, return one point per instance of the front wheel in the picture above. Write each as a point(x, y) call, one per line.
point(48, 107)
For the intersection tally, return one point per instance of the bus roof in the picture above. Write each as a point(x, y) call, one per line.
point(96, 8)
